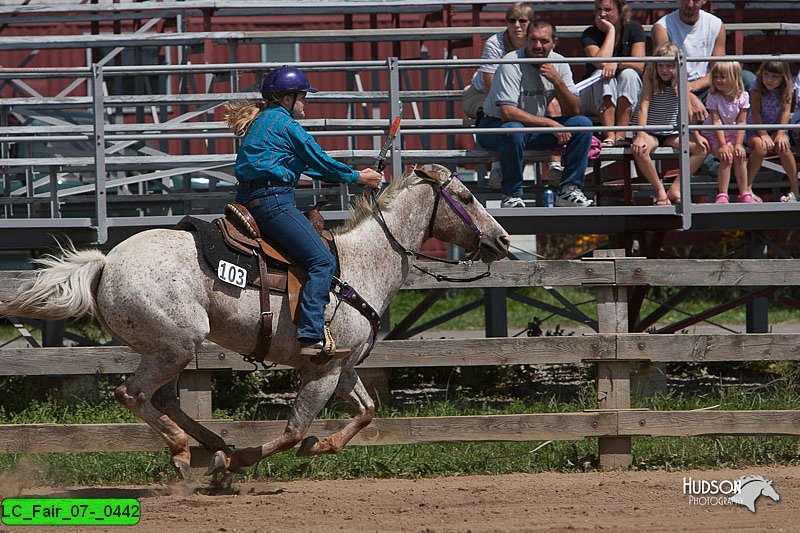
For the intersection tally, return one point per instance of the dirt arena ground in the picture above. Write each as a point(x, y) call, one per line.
point(616, 501)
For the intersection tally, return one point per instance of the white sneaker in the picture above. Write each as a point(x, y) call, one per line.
point(572, 196)
point(512, 201)
point(495, 179)
point(554, 173)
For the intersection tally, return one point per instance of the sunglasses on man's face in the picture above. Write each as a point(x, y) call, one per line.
point(522, 22)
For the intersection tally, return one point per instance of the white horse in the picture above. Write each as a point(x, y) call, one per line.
point(155, 293)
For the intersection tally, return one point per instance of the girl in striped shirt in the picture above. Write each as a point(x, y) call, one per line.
point(659, 107)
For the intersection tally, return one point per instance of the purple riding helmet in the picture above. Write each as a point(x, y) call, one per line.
point(286, 80)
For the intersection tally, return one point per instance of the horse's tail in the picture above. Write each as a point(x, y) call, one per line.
point(64, 288)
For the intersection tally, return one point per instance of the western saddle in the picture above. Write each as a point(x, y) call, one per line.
point(241, 233)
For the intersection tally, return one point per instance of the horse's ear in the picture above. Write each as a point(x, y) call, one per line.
point(426, 175)
point(433, 172)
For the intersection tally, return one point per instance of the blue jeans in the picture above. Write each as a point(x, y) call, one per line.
point(510, 147)
point(281, 221)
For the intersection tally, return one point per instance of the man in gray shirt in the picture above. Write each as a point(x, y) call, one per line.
point(518, 98)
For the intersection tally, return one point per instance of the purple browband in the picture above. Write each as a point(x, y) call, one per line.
point(457, 208)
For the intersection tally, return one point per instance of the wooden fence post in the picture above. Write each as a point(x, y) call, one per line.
point(495, 311)
point(376, 380)
point(613, 377)
point(756, 311)
point(194, 393)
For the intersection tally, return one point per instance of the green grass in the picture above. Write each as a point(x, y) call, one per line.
point(416, 461)
point(519, 314)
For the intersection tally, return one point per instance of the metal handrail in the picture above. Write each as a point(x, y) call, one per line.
point(102, 133)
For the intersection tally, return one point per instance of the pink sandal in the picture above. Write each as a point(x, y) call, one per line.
point(722, 198)
point(747, 198)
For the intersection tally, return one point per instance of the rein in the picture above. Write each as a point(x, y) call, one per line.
point(440, 190)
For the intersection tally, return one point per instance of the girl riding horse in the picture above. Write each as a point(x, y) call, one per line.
point(274, 152)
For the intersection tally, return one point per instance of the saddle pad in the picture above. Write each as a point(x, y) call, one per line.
point(214, 248)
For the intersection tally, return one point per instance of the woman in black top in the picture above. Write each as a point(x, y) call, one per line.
point(615, 95)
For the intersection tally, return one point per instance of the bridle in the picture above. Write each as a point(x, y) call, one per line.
point(440, 190)
point(345, 292)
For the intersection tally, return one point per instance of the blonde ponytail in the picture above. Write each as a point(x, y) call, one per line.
point(241, 114)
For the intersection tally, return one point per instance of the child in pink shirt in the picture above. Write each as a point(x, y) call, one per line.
point(728, 103)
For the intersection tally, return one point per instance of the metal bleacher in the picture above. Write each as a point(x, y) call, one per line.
point(98, 167)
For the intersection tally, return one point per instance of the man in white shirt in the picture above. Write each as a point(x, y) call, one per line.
point(518, 98)
point(696, 33)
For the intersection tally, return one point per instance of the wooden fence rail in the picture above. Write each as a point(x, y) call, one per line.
point(615, 354)
point(43, 438)
point(631, 347)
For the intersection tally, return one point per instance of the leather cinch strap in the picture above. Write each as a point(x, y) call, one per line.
point(265, 331)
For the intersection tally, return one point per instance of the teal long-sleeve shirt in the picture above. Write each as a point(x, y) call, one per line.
point(277, 148)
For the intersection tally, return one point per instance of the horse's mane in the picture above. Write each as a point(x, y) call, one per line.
point(748, 479)
point(364, 206)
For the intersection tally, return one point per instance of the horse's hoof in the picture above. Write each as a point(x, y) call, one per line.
point(307, 447)
point(221, 481)
point(219, 464)
point(182, 469)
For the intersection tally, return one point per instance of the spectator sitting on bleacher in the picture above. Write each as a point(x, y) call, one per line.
point(696, 33)
point(613, 98)
point(659, 107)
point(518, 98)
point(728, 103)
point(771, 103)
point(518, 16)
